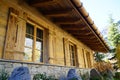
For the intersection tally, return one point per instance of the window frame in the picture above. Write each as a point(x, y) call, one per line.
point(73, 61)
point(35, 26)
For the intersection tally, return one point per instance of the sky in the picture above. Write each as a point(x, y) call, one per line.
point(99, 11)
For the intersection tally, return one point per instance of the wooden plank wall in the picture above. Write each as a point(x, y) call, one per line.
point(55, 52)
point(15, 36)
point(3, 24)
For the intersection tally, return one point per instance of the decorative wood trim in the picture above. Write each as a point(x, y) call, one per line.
point(12, 13)
point(84, 58)
point(64, 51)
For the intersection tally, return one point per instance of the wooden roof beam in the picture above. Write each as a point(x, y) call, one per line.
point(93, 37)
point(85, 37)
point(58, 13)
point(93, 44)
point(96, 48)
point(83, 34)
point(38, 3)
point(79, 31)
point(91, 40)
point(69, 21)
point(89, 34)
point(74, 28)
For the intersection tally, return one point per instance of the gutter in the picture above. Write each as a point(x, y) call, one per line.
point(78, 6)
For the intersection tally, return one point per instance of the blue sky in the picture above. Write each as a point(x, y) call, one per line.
point(99, 11)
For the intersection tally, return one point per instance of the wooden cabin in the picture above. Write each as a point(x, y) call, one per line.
point(58, 32)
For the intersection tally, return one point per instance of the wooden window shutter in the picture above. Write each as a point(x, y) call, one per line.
point(15, 36)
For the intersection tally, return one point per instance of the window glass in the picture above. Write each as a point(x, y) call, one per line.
point(33, 44)
point(29, 41)
point(29, 29)
point(39, 34)
point(39, 44)
point(72, 50)
point(38, 56)
point(28, 54)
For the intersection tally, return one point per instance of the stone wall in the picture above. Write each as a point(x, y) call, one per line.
point(35, 68)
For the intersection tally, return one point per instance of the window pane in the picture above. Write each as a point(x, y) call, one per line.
point(72, 54)
point(39, 44)
point(38, 56)
point(29, 29)
point(29, 42)
point(39, 33)
point(28, 54)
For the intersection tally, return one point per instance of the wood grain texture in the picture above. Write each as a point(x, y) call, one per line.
point(53, 46)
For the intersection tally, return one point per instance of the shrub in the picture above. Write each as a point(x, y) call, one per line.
point(84, 75)
point(4, 75)
point(43, 77)
point(117, 76)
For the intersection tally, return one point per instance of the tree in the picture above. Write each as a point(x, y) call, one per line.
point(98, 57)
point(114, 37)
point(118, 54)
point(113, 32)
point(102, 67)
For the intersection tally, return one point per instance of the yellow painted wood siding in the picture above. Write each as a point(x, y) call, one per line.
point(15, 36)
point(54, 52)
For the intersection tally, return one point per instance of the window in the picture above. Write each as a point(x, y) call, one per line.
point(33, 44)
point(88, 59)
point(73, 55)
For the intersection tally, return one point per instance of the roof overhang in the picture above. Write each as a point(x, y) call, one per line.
point(71, 16)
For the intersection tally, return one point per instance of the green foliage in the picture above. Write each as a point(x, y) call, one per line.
point(40, 76)
point(43, 77)
point(117, 76)
point(95, 78)
point(73, 79)
point(118, 54)
point(84, 76)
point(4, 75)
point(114, 37)
point(51, 78)
point(116, 79)
point(113, 33)
point(98, 57)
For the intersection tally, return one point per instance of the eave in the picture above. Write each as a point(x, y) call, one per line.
point(72, 17)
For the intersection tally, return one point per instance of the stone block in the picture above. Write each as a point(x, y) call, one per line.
point(8, 65)
point(20, 73)
point(16, 65)
point(1, 67)
point(95, 75)
point(72, 75)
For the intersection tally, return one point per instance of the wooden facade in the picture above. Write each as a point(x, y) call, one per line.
point(48, 31)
